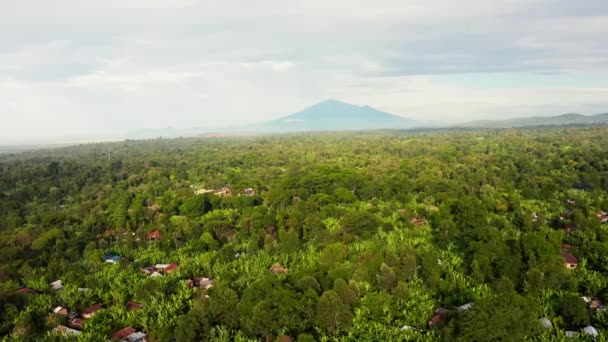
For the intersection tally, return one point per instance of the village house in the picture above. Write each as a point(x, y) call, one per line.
point(569, 260)
point(545, 323)
point(223, 192)
point(602, 216)
point(439, 318)
point(60, 311)
point(566, 247)
point(154, 235)
point(200, 282)
point(134, 305)
point(249, 192)
point(128, 334)
point(203, 191)
point(465, 307)
point(418, 221)
point(26, 290)
point(76, 323)
point(65, 331)
point(594, 303)
point(90, 311)
point(56, 285)
point(111, 258)
point(278, 269)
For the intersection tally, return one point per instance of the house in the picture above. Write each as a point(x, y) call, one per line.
point(417, 221)
point(111, 258)
point(590, 331)
point(154, 235)
point(566, 246)
point(121, 334)
point(60, 311)
point(465, 307)
point(249, 192)
point(65, 331)
point(90, 311)
point(278, 269)
point(545, 323)
point(26, 290)
point(223, 192)
point(569, 260)
point(76, 323)
point(602, 216)
point(56, 285)
point(203, 191)
point(594, 303)
point(284, 338)
point(134, 305)
point(165, 268)
point(439, 318)
point(128, 334)
point(201, 282)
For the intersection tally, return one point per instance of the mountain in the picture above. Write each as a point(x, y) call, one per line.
point(564, 119)
point(333, 115)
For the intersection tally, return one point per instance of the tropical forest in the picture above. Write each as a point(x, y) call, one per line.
point(388, 235)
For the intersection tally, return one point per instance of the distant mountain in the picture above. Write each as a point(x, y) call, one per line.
point(333, 115)
point(564, 119)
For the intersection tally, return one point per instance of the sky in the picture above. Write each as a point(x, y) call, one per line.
point(80, 68)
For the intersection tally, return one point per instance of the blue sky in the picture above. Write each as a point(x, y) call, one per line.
point(84, 68)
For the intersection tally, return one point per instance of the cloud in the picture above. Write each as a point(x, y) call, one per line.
point(110, 67)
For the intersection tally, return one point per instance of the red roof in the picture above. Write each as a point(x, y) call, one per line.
point(123, 333)
point(569, 258)
point(92, 309)
point(170, 268)
point(566, 246)
point(26, 290)
point(155, 234)
point(134, 305)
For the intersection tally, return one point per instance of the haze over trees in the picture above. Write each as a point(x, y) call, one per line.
point(310, 237)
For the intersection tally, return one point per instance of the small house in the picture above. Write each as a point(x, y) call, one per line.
point(278, 269)
point(439, 318)
point(154, 235)
point(26, 290)
point(203, 191)
point(76, 323)
point(202, 282)
point(569, 260)
point(121, 334)
point(594, 303)
point(165, 268)
point(545, 323)
point(591, 331)
point(566, 247)
point(602, 216)
point(249, 192)
point(223, 192)
point(128, 334)
point(111, 258)
point(134, 305)
point(65, 331)
point(56, 285)
point(90, 311)
point(465, 307)
point(418, 221)
point(60, 311)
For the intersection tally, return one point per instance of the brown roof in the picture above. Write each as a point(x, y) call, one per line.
point(77, 323)
point(92, 309)
point(566, 246)
point(122, 333)
point(134, 305)
point(25, 290)
point(285, 338)
point(418, 221)
point(170, 268)
point(155, 234)
point(569, 258)
point(277, 268)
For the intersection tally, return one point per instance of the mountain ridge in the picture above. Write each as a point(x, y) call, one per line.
point(555, 120)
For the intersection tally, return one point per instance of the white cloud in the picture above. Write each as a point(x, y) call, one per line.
point(99, 68)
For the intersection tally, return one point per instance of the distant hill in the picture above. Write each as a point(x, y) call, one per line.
point(564, 119)
point(333, 115)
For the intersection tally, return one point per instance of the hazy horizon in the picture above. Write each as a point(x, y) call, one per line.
point(100, 70)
